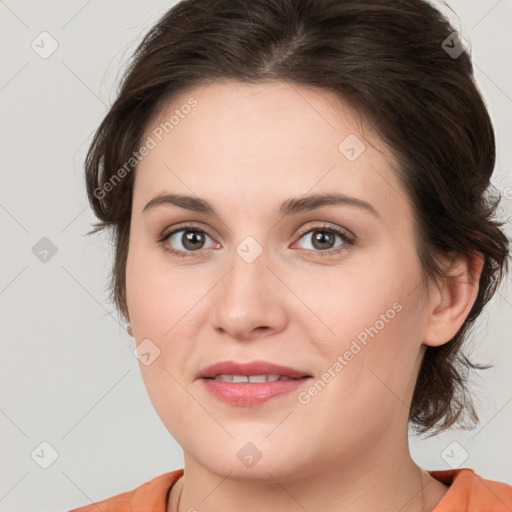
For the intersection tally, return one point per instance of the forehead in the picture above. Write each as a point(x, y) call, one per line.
point(247, 115)
point(239, 139)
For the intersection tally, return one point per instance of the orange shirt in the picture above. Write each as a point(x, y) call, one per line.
point(468, 492)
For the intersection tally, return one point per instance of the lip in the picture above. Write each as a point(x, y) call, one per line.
point(250, 393)
point(250, 368)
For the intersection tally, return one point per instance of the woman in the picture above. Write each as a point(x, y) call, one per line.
point(298, 191)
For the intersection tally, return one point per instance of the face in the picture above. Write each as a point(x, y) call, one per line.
point(332, 289)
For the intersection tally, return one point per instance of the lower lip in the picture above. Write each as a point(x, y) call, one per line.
point(251, 393)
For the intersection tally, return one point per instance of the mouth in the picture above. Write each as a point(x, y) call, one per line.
point(251, 383)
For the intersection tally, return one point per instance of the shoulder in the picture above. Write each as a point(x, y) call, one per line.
point(151, 495)
point(472, 493)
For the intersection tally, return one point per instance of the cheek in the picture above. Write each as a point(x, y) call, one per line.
point(156, 297)
point(362, 302)
point(158, 308)
point(379, 362)
point(377, 322)
point(365, 384)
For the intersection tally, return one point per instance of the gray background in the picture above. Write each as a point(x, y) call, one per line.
point(68, 375)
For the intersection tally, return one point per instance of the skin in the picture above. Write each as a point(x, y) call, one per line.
point(245, 149)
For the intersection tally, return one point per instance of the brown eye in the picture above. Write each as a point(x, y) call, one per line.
point(186, 240)
point(192, 240)
point(323, 239)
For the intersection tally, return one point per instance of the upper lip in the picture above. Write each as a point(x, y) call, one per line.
point(249, 368)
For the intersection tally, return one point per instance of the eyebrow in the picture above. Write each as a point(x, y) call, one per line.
point(291, 206)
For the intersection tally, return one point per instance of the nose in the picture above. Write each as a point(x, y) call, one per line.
point(250, 300)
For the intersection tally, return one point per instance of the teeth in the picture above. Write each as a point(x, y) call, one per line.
point(250, 378)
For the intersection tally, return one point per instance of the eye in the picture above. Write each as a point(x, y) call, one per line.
point(324, 238)
point(187, 239)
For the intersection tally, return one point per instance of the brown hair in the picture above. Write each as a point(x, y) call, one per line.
point(389, 60)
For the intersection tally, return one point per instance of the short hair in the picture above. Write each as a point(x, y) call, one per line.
point(391, 61)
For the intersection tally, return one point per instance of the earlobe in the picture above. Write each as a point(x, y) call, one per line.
point(454, 299)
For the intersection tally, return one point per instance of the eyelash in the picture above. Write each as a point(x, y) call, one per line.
point(345, 237)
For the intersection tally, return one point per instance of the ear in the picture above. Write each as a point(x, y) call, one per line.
point(453, 299)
